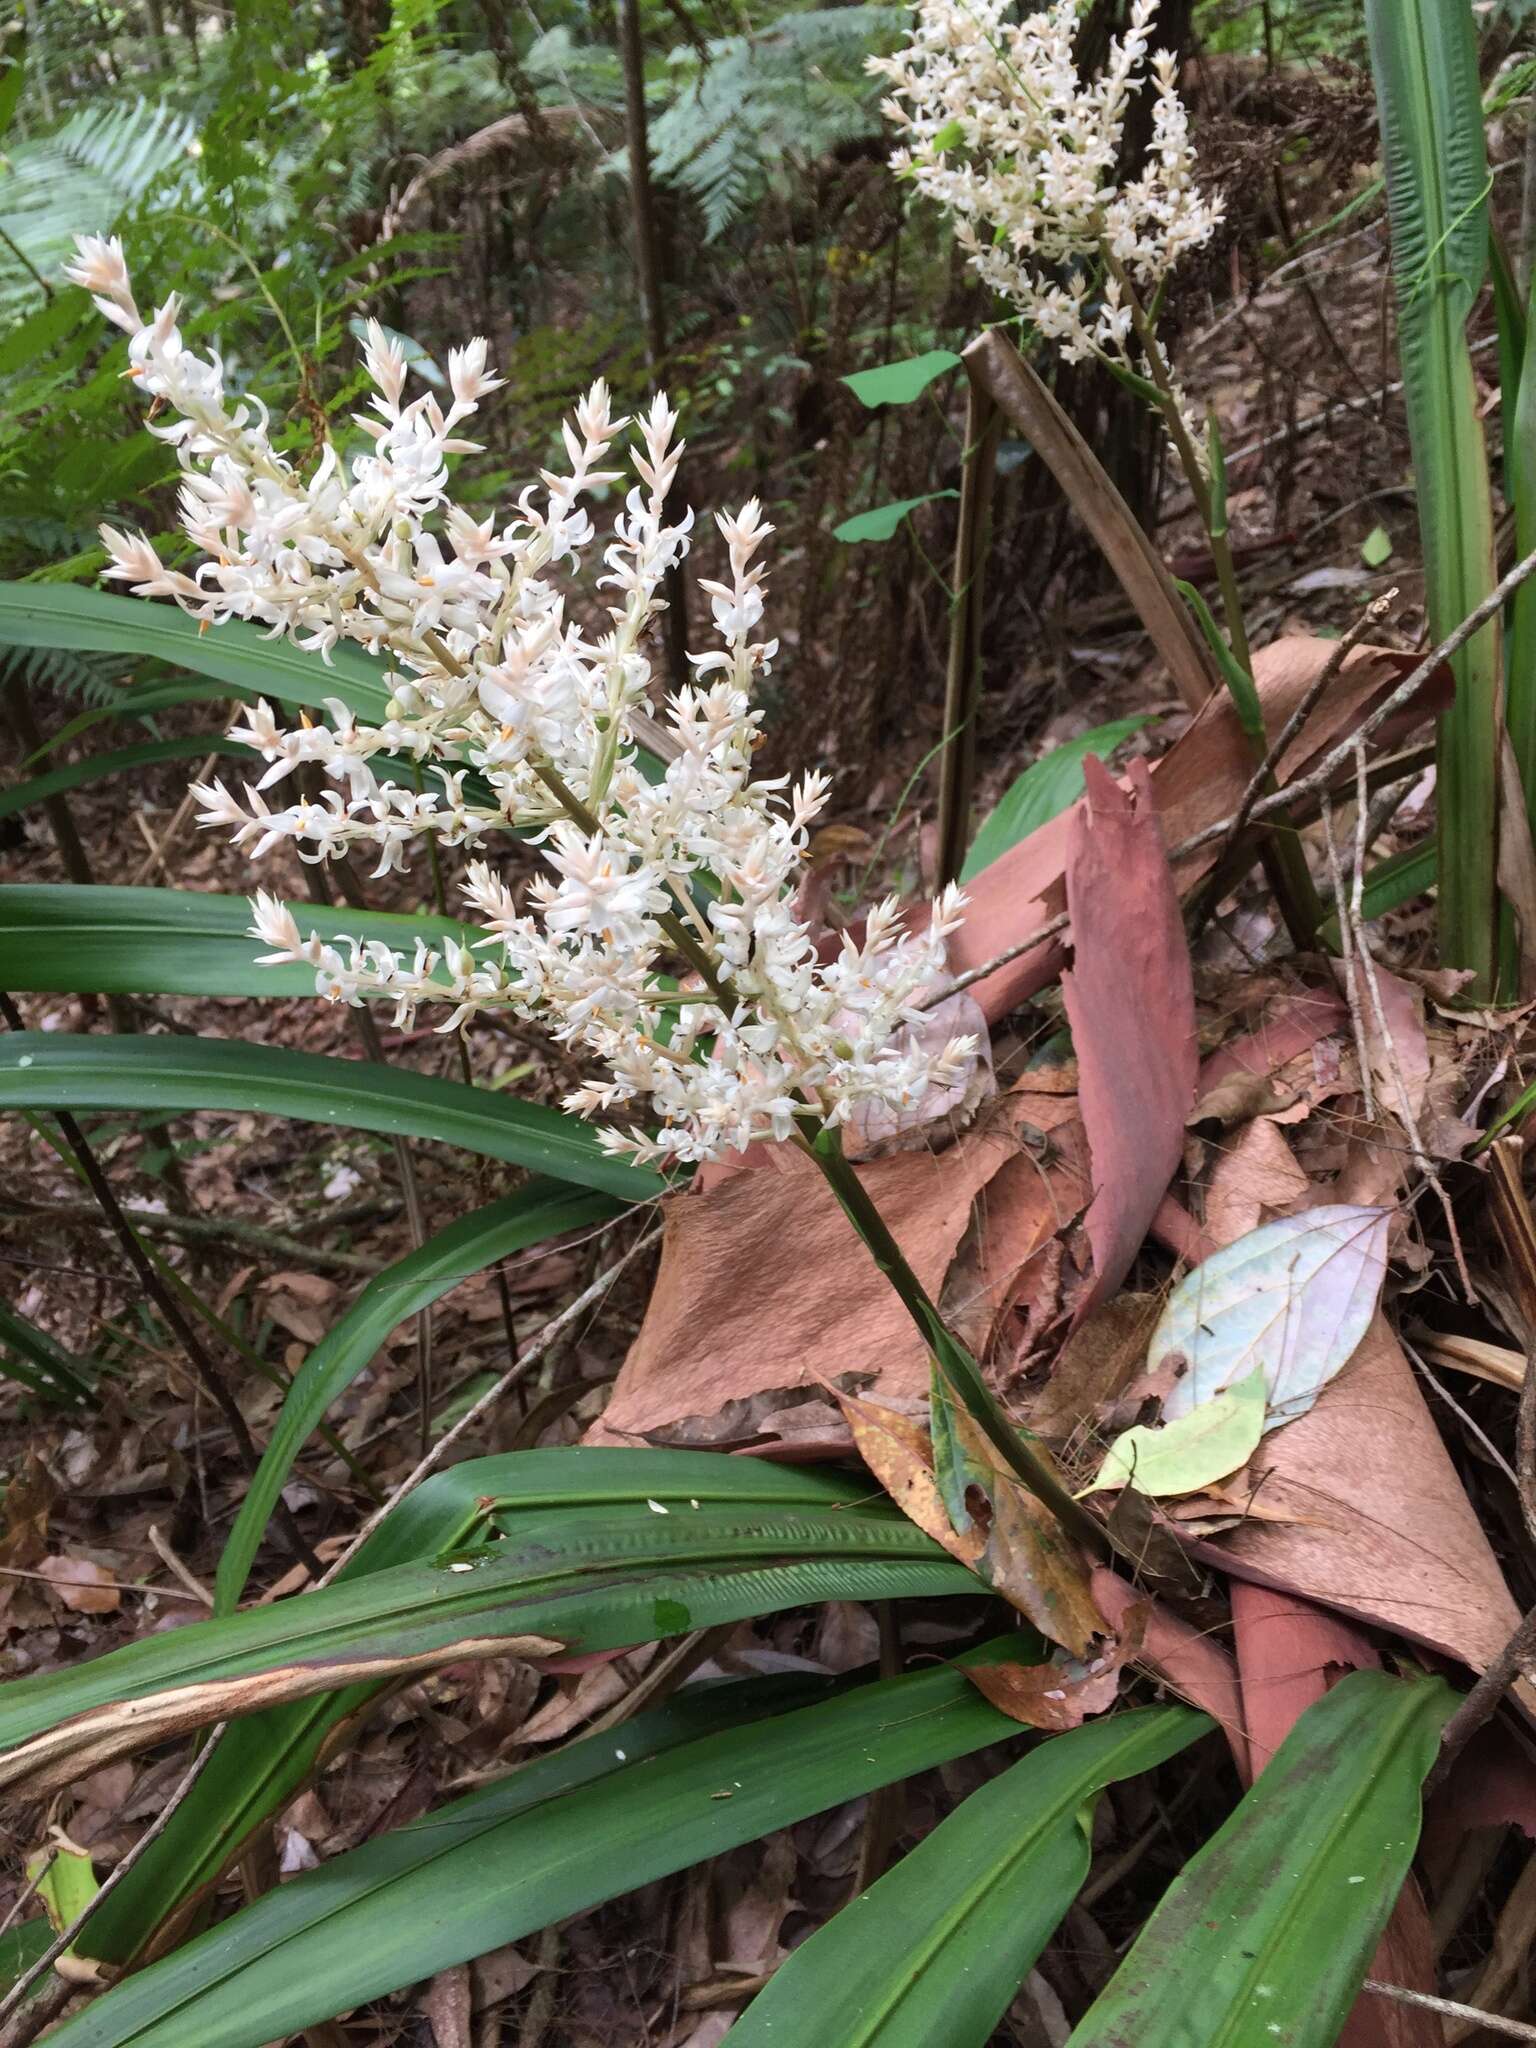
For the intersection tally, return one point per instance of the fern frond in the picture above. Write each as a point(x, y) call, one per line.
point(84, 176)
point(789, 93)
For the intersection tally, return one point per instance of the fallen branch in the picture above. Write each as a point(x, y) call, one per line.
point(207, 1230)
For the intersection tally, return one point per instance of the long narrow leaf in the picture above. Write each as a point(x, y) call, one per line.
point(1267, 1933)
point(31, 1357)
point(91, 621)
point(600, 1818)
point(63, 1070)
point(57, 938)
point(562, 1583)
point(534, 1213)
point(37, 789)
point(261, 1762)
point(937, 1949)
point(1424, 57)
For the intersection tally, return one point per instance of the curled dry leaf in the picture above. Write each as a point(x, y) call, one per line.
point(1025, 1554)
point(1061, 1694)
point(83, 1587)
point(953, 1488)
point(1295, 1297)
point(1130, 1001)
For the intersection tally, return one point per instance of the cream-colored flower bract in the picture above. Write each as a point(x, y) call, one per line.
point(1000, 129)
point(662, 940)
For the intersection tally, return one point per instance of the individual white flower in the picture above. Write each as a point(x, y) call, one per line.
point(99, 268)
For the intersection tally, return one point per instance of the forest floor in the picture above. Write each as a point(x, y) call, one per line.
point(113, 1524)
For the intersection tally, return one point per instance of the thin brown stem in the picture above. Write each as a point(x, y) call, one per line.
point(1282, 856)
point(962, 688)
point(164, 1299)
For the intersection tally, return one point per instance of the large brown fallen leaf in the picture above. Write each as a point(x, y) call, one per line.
point(764, 1284)
point(1194, 1666)
point(1384, 1531)
point(1131, 1003)
point(1198, 782)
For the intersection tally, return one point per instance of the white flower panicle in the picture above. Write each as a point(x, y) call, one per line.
point(1000, 129)
point(661, 939)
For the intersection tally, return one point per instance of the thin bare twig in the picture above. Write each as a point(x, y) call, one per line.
point(1312, 784)
point(1421, 1159)
point(1351, 969)
point(157, 1827)
point(1493, 2021)
point(1258, 782)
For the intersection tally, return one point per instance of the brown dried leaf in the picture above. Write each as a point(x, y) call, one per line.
point(1026, 1555)
point(732, 1316)
point(83, 1587)
point(1255, 1180)
point(1098, 1361)
point(899, 1451)
point(1063, 1693)
point(1131, 1004)
point(1384, 1530)
point(448, 2007)
point(1239, 1095)
point(1191, 1662)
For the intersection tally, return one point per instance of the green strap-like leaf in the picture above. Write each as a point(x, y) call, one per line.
point(1425, 64)
point(583, 1581)
point(57, 938)
point(91, 621)
point(936, 1950)
point(98, 767)
point(534, 1213)
point(1267, 1933)
point(564, 1833)
point(263, 1761)
point(65, 1070)
point(30, 1356)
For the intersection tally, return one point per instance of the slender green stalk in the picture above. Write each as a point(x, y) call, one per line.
point(956, 1366)
point(1520, 471)
point(962, 688)
point(1285, 862)
point(1425, 62)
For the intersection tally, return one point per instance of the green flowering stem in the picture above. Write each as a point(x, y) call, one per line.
point(954, 1363)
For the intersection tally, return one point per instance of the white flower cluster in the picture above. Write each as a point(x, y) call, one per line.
point(1004, 134)
point(663, 938)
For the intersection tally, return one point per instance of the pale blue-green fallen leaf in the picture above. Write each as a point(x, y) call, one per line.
point(1207, 1444)
point(1376, 548)
point(1294, 1297)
